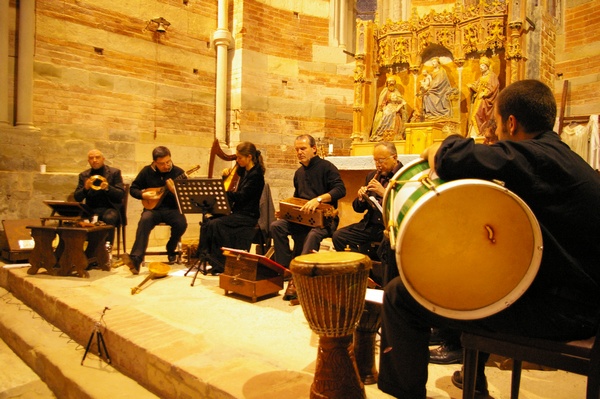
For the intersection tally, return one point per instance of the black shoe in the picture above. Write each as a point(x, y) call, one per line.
point(446, 354)
point(481, 386)
point(435, 338)
point(172, 259)
point(290, 292)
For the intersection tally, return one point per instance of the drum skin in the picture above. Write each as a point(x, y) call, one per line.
point(468, 249)
point(465, 249)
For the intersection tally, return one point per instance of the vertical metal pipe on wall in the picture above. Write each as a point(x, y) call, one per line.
point(221, 41)
point(4, 63)
point(25, 63)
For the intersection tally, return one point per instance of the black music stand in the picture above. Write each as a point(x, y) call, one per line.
point(206, 196)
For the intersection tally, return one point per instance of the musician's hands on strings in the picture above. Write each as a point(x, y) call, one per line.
point(226, 172)
point(313, 204)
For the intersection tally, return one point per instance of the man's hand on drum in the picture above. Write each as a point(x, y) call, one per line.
point(429, 154)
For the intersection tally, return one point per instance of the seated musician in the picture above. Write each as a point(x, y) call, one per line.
point(563, 192)
point(154, 186)
point(370, 228)
point(317, 181)
point(101, 187)
point(237, 229)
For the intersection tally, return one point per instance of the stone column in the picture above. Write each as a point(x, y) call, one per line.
point(343, 27)
point(24, 103)
point(4, 63)
point(221, 41)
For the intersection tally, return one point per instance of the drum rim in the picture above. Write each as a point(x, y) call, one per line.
point(400, 172)
point(335, 262)
point(514, 293)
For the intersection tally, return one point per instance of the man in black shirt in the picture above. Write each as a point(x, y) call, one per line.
point(101, 187)
point(317, 181)
point(562, 191)
point(154, 186)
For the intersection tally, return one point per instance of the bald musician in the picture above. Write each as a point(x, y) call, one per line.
point(101, 187)
point(370, 228)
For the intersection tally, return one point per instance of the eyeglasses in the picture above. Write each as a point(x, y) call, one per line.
point(381, 160)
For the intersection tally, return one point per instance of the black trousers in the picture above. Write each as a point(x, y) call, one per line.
point(406, 327)
point(231, 231)
point(149, 220)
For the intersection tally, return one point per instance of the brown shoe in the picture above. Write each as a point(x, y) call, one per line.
point(290, 292)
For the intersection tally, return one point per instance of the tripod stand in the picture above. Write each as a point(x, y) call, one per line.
point(99, 340)
point(205, 196)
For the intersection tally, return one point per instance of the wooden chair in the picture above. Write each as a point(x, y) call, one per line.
point(122, 227)
point(580, 357)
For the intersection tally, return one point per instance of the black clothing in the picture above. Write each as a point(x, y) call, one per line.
point(104, 203)
point(370, 228)
point(563, 301)
point(237, 229)
point(167, 210)
point(318, 178)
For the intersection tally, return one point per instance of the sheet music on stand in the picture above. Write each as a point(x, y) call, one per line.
point(203, 195)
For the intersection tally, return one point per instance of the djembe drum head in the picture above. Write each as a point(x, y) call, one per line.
point(468, 249)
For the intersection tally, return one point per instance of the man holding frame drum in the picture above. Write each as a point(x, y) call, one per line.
point(561, 190)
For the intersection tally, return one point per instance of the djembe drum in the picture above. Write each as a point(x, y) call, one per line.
point(465, 249)
point(331, 289)
point(365, 336)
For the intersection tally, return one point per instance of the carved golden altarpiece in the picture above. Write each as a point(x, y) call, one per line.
point(402, 48)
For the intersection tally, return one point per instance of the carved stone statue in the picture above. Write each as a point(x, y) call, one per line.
point(388, 123)
point(483, 95)
point(436, 103)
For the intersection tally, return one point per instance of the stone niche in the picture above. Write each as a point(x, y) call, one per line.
point(457, 40)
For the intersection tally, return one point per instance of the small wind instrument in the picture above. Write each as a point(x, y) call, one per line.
point(159, 192)
point(365, 196)
point(97, 181)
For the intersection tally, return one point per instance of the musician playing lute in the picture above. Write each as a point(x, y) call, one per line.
point(147, 187)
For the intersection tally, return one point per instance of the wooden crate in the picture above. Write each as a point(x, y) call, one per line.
point(250, 275)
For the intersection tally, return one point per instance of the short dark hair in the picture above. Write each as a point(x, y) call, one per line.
point(531, 102)
point(160, 152)
point(311, 140)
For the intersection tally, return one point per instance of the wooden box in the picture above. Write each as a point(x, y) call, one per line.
point(250, 275)
point(19, 243)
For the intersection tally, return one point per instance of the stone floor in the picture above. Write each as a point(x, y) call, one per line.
point(172, 340)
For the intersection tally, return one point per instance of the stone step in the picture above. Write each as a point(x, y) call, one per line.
point(56, 359)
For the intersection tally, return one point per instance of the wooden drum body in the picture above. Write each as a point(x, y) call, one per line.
point(465, 249)
point(331, 289)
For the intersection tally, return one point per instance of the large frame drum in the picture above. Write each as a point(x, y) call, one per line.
point(331, 289)
point(465, 249)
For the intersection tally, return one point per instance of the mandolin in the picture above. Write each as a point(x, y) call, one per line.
point(159, 192)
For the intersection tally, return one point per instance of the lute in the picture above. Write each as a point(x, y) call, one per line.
point(158, 193)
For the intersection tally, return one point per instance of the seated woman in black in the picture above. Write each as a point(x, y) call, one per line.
point(236, 230)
